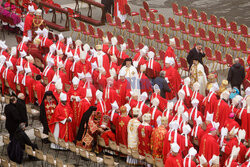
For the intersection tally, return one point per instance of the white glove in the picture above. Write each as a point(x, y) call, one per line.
point(78, 99)
point(135, 63)
point(166, 78)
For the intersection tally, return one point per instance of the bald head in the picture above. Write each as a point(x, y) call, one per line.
point(236, 60)
point(21, 96)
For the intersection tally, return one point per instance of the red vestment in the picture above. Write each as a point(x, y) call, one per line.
point(105, 48)
point(221, 113)
point(245, 121)
point(230, 123)
point(123, 55)
point(30, 86)
point(186, 161)
point(27, 24)
point(163, 102)
point(156, 67)
point(109, 96)
point(174, 82)
point(228, 149)
point(82, 67)
point(145, 84)
point(61, 113)
point(113, 51)
point(155, 116)
point(40, 90)
point(174, 161)
point(210, 105)
point(120, 5)
point(187, 99)
point(74, 105)
point(209, 146)
point(141, 60)
point(170, 53)
point(157, 139)
point(123, 87)
point(144, 135)
point(21, 48)
point(83, 107)
point(50, 74)
point(121, 123)
point(68, 65)
point(10, 79)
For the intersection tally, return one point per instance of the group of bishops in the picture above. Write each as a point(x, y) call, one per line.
point(85, 92)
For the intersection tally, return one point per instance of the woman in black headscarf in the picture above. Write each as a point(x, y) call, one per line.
point(47, 108)
point(89, 128)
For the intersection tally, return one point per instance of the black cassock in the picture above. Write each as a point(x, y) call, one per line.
point(109, 4)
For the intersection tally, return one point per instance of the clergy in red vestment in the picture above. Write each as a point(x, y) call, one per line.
point(120, 119)
point(189, 160)
point(22, 46)
point(21, 61)
point(119, 9)
point(29, 83)
point(209, 146)
point(83, 65)
point(18, 79)
point(144, 135)
point(50, 54)
point(47, 109)
point(39, 89)
point(174, 157)
point(157, 138)
point(58, 90)
point(113, 64)
point(102, 59)
point(230, 122)
point(123, 88)
point(67, 64)
point(28, 23)
point(188, 92)
point(232, 159)
point(140, 57)
point(75, 94)
point(145, 84)
point(170, 53)
point(193, 112)
point(122, 54)
point(105, 44)
point(153, 65)
point(155, 113)
point(48, 72)
point(210, 102)
point(101, 79)
point(101, 106)
point(228, 144)
point(223, 109)
point(61, 120)
point(9, 75)
point(197, 95)
point(163, 102)
point(173, 78)
point(107, 133)
point(46, 42)
point(142, 106)
point(60, 44)
point(30, 64)
point(197, 132)
point(180, 101)
point(109, 93)
point(36, 51)
point(113, 49)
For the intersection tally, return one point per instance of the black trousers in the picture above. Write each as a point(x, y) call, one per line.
point(109, 4)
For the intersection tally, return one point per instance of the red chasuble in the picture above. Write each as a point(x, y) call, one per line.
point(39, 90)
point(157, 139)
point(121, 123)
point(174, 82)
point(209, 146)
point(222, 113)
point(163, 102)
point(170, 53)
point(144, 135)
point(174, 161)
point(28, 24)
point(123, 88)
point(82, 67)
point(65, 130)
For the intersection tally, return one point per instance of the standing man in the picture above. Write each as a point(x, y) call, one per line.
point(12, 116)
point(195, 52)
point(119, 9)
point(236, 74)
point(109, 6)
point(28, 23)
point(21, 107)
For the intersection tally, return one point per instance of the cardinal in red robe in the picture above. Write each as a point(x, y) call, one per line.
point(39, 89)
point(174, 157)
point(170, 54)
point(62, 119)
point(153, 65)
point(144, 135)
point(120, 120)
point(209, 145)
point(28, 22)
point(174, 79)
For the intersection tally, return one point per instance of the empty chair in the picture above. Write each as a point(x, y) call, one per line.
point(197, 19)
point(146, 7)
point(163, 22)
point(131, 14)
point(144, 16)
point(172, 25)
point(204, 19)
point(244, 32)
point(110, 22)
point(153, 20)
point(176, 10)
point(185, 13)
point(223, 42)
point(219, 59)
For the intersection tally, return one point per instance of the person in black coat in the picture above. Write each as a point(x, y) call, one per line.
point(196, 52)
point(236, 74)
point(21, 107)
point(162, 83)
point(109, 6)
point(13, 118)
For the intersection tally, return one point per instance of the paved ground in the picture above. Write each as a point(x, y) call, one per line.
point(232, 10)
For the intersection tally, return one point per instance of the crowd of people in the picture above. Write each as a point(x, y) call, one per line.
point(85, 92)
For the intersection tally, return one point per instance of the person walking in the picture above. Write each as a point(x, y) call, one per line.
point(21, 107)
point(197, 53)
point(162, 83)
point(13, 118)
point(236, 74)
